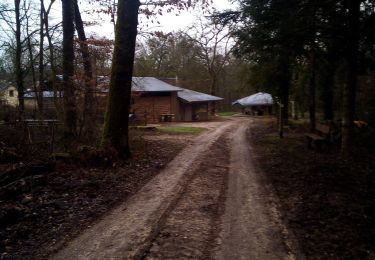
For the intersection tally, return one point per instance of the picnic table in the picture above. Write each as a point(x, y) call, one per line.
point(166, 117)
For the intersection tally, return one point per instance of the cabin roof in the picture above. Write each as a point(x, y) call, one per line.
point(191, 96)
point(151, 84)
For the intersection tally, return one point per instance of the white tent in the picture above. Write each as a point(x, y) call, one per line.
point(258, 99)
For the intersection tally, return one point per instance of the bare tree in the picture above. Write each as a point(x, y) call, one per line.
point(117, 115)
point(30, 44)
point(18, 65)
point(216, 45)
point(87, 114)
point(51, 48)
point(41, 56)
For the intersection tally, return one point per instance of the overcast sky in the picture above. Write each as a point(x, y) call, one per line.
point(168, 21)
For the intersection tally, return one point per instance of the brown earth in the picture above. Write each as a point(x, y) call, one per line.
point(127, 231)
point(192, 226)
point(326, 200)
point(41, 214)
point(186, 212)
point(236, 191)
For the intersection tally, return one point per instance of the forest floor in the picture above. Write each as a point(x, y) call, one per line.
point(327, 201)
point(235, 191)
point(40, 213)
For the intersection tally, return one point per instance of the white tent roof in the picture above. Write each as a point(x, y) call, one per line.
point(258, 99)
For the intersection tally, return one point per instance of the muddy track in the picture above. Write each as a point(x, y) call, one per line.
point(210, 202)
point(251, 225)
point(191, 228)
point(126, 232)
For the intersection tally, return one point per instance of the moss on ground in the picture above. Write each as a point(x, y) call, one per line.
point(180, 130)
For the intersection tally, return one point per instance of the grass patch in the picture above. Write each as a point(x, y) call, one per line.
point(180, 130)
point(227, 113)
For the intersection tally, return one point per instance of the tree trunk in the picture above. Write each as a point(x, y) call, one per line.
point(280, 120)
point(329, 80)
point(32, 67)
point(283, 92)
point(349, 93)
point(312, 81)
point(284, 82)
point(327, 92)
point(117, 115)
point(41, 58)
point(213, 93)
point(87, 114)
point(312, 88)
point(68, 68)
point(285, 100)
point(52, 61)
point(18, 66)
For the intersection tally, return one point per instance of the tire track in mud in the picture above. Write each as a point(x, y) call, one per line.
point(192, 226)
point(127, 231)
point(251, 225)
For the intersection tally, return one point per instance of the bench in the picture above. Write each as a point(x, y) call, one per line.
point(320, 137)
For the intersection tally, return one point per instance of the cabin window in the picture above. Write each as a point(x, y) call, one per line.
point(11, 93)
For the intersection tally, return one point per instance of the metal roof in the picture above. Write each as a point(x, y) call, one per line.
point(4, 85)
point(258, 99)
point(46, 94)
point(195, 96)
point(150, 84)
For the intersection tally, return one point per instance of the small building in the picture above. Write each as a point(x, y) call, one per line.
point(256, 104)
point(154, 100)
point(8, 94)
point(194, 105)
point(49, 108)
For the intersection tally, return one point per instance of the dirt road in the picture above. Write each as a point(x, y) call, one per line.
point(251, 225)
point(209, 202)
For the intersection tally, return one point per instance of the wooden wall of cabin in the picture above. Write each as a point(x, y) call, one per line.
point(149, 108)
